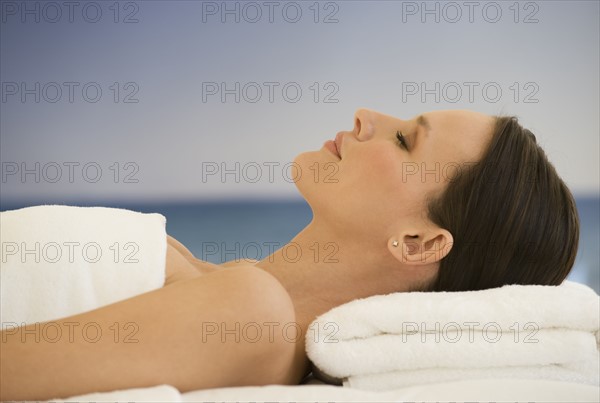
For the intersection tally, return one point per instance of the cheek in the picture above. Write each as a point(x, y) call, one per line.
point(387, 177)
point(377, 168)
point(369, 182)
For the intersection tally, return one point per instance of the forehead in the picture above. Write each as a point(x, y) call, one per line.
point(459, 120)
point(464, 132)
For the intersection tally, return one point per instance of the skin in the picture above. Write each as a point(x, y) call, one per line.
point(353, 234)
point(391, 206)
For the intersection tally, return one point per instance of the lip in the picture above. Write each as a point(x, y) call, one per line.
point(339, 138)
point(332, 147)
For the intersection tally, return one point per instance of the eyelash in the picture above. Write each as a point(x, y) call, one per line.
point(401, 140)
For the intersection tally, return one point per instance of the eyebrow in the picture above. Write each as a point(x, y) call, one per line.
point(424, 122)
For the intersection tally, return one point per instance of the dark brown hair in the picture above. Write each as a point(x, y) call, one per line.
point(513, 219)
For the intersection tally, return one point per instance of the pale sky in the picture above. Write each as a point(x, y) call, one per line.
point(179, 56)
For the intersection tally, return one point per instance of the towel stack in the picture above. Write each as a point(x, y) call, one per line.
point(404, 339)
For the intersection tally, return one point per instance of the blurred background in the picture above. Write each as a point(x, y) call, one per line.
point(195, 109)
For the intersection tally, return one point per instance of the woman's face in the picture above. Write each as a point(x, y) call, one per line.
point(378, 184)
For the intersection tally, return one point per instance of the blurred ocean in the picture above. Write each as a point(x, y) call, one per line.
point(222, 231)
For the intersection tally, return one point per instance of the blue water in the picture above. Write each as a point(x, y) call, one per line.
point(223, 231)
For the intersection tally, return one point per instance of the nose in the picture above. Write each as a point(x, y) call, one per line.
point(364, 124)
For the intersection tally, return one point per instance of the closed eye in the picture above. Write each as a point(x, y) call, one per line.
point(401, 140)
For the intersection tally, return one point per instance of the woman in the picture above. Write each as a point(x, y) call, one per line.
point(449, 200)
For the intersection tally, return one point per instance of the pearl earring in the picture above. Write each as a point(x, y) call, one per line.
point(395, 244)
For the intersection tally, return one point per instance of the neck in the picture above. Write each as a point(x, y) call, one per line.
point(321, 270)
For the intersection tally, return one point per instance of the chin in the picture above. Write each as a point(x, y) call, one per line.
point(320, 196)
point(302, 163)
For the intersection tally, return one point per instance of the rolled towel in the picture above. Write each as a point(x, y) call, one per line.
point(59, 261)
point(460, 334)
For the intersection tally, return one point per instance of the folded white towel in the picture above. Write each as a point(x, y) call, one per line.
point(392, 352)
point(582, 373)
point(411, 338)
point(59, 261)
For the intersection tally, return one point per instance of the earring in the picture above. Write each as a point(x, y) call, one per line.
point(395, 244)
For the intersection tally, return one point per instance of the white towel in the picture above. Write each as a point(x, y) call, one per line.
point(160, 393)
point(59, 261)
point(404, 339)
point(581, 373)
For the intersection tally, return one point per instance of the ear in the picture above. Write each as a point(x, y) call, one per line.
point(421, 247)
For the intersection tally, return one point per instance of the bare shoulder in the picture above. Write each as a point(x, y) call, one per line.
point(261, 290)
point(268, 312)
